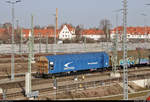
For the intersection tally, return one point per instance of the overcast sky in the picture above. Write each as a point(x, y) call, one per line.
point(84, 12)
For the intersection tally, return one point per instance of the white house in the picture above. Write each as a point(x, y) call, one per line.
point(93, 34)
point(132, 33)
point(66, 32)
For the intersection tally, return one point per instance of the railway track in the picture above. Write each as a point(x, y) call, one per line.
point(62, 79)
point(24, 58)
point(85, 85)
point(18, 75)
point(39, 81)
point(26, 55)
point(5, 69)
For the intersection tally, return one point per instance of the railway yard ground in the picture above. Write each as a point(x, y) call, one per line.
point(90, 86)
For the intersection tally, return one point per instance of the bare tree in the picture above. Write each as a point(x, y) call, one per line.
point(17, 35)
point(78, 33)
point(6, 25)
point(37, 27)
point(50, 27)
point(105, 25)
point(6, 36)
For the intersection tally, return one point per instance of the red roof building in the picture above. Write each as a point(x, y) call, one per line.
point(93, 33)
point(39, 32)
point(132, 32)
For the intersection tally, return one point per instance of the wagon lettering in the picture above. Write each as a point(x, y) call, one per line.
point(93, 63)
point(69, 68)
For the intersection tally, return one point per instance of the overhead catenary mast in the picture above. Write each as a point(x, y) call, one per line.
point(107, 34)
point(115, 49)
point(28, 86)
point(21, 41)
point(32, 39)
point(145, 30)
point(125, 67)
point(30, 56)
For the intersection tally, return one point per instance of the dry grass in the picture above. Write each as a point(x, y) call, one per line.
point(94, 92)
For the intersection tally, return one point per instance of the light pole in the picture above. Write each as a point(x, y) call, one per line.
point(12, 37)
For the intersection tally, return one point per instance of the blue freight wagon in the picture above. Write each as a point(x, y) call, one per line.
point(75, 62)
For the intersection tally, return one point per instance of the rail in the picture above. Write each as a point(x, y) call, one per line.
point(82, 85)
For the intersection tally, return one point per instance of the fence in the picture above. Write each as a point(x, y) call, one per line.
point(103, 46)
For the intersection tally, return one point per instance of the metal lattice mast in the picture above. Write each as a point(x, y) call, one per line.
point(17, 32)
point(32, 38)
point(115, 49)
point(107, 32)
point(30, 56)
point(115, 45)
point(12, 47)
point(145, 30)
point(125, 67)
point(29, 61)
